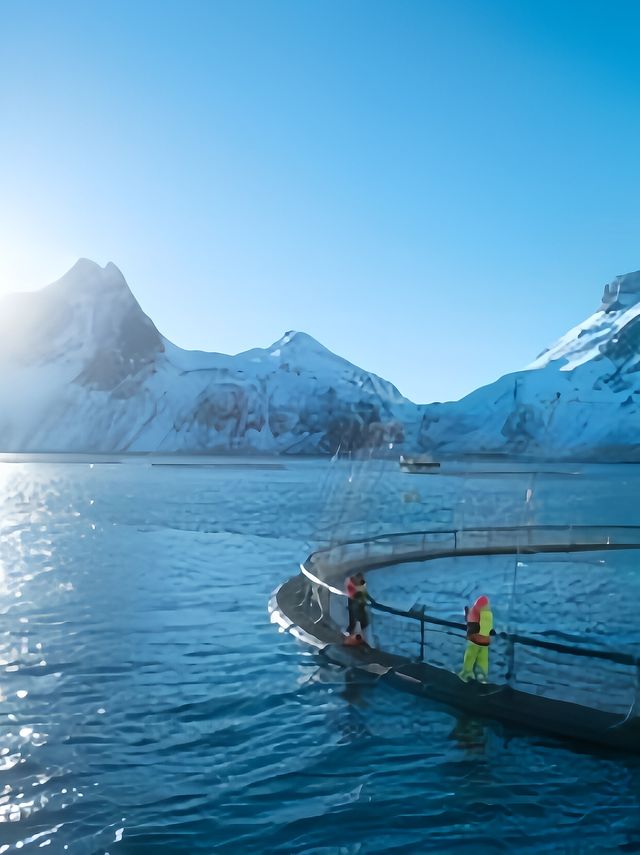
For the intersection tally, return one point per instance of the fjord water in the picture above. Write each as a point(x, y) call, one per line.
point(148, 705)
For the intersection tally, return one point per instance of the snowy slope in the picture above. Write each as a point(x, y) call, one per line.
point(83, 368)
point(580, 398)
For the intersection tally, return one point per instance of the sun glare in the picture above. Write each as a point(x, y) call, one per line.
point(24, 270)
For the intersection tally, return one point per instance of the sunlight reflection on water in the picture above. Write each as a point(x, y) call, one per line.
point(148, 704)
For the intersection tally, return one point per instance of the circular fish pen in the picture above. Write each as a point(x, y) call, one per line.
point(546, 679)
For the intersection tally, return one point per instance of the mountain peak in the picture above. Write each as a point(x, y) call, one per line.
point(622, 293)
point(299, 339)
point(87, 277)
point(86, 265)
point(88, 318)
point(298, 342)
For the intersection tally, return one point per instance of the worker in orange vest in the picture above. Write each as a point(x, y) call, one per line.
point(358, 598)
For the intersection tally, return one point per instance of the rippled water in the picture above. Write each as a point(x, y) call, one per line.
point(147, 705)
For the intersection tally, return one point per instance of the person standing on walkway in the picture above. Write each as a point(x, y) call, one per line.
point(479, 633)
point(358, 599)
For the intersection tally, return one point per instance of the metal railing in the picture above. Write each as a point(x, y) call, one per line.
point(326, 569)
point(512, 638)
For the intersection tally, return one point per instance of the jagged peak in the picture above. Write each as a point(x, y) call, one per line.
point(86, 277)
point(622, 292)
point(87, 264)
point(297, 339)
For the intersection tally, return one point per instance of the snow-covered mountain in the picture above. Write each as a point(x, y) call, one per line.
point(580, 398)
point(83, 368)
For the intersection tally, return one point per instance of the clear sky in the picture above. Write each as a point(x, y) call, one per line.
point(435, 190)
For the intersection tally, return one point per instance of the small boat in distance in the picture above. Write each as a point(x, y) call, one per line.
point(417, 464)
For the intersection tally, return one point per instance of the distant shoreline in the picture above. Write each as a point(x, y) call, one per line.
point(247, 459)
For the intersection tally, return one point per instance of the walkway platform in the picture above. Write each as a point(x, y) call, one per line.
point(302, 607)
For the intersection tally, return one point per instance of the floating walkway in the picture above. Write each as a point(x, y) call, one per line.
point(303, 605)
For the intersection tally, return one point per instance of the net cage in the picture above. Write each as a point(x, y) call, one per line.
point(553, 544)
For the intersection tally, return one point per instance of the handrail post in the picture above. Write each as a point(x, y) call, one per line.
point(511, 657)
point(422, 634)
point(636, 701)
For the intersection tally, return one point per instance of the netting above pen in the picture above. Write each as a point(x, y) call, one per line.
point(373, 485)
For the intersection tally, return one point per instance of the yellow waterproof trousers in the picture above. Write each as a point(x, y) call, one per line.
point(475, 654)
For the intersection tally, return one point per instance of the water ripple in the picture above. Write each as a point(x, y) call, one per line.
point(149, 706)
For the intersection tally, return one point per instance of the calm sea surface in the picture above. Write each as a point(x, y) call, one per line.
point(148, 705)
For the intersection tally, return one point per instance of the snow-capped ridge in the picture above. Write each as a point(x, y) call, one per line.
point(88, 319)
point(83, 368)
point(300, 344)
point(622, 293)
point(95, 373)
point(295, 339)
point(87, 279)
point(579, 398)
point(620, 307)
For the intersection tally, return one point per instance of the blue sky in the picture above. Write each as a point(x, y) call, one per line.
point(434, 190)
